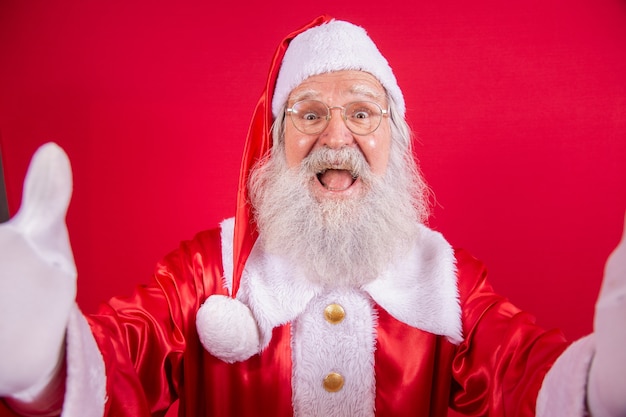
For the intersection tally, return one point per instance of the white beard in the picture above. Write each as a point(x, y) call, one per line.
point(338, 242)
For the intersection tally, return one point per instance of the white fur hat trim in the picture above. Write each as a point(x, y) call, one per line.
point(227, 329)
point(332, 46)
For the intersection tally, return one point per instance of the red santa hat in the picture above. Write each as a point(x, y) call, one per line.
point(332, 46)
point(226, 327)
point(258, 143)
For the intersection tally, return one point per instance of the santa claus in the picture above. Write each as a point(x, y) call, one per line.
point(325, 295)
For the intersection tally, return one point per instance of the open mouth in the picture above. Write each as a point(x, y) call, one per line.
point(336, 179)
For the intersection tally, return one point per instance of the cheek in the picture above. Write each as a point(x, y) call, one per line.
point(376, 151)
point(297, 146)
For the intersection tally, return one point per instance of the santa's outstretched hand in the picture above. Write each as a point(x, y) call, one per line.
point(607, 378)
point(37, 279)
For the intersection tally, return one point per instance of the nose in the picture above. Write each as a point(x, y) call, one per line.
point(336, 135)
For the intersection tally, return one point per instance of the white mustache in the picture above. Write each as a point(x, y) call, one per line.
point(349, 159)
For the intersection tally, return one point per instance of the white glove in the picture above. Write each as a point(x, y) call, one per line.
point(37, 278)
point(607, 379)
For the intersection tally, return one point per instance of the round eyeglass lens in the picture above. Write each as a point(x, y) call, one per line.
point(309, 116)
point(363, 117)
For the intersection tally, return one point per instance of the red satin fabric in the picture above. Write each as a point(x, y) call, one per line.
point(153, 355)
point(258, 143)
point(496, 371)
point(499, 368)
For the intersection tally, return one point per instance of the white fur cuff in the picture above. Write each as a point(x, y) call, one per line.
point(564, 388)
point(85, 393)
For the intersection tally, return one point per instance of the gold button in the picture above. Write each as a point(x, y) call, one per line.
point(333, 382)
point(334, 313)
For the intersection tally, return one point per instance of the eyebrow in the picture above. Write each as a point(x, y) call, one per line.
point(303, 95)
point(365, 90)
point(356, 89)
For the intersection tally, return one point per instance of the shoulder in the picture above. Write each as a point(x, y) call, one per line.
point(200, 253)
point(471, 274)
point(205, 241)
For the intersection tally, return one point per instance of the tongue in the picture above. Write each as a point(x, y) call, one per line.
point(336, 179)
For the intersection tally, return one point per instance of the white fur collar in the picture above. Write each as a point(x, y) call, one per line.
point(419, 290)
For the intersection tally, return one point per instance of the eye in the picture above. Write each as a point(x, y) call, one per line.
point(310, 111)
point(310, 116)
point(360, 111)
point(361, 114)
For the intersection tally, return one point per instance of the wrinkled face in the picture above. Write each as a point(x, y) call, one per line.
point(338, 89)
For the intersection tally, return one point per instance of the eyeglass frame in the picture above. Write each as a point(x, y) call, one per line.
point(329, 115)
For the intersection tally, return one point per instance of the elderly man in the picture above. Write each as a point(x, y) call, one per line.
point(325, 296)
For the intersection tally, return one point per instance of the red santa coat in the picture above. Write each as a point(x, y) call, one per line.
point(152, 354)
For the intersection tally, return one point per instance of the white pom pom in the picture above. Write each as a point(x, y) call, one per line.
point(227, 329)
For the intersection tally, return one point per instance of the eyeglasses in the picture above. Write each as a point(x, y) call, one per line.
point(312, 116)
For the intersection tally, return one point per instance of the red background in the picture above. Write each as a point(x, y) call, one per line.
point(519, 108)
